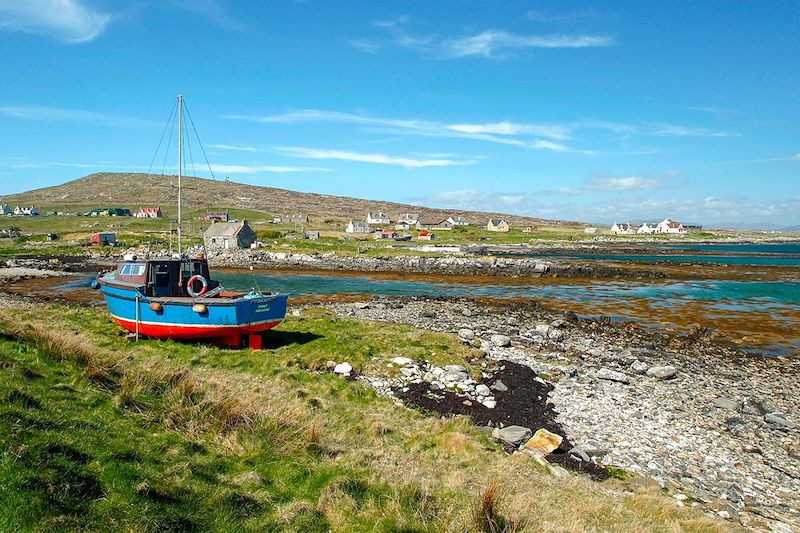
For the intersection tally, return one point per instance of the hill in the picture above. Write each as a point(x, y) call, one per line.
point(133, 190)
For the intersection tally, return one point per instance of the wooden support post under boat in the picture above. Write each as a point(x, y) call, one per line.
point(254, 341)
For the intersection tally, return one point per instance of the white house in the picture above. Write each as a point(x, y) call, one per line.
point(357, 227)
point(498, 224)
point(622, 229)
point(407, 218)
point(668, 226)
point(402, 226)
point(458, 221)
point(646, 229)
point(590, 230)
point(27, 211)
point(377, 218)
point(5, 209)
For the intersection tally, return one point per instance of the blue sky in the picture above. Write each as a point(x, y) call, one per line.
point(594, 111)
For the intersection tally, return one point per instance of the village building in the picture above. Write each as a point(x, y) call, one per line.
point(498, 224)
point(227, 235)
point(668, 226)
point(377, 218)
point(381, 235)
point(149, 212)
point(434, 223)
point(458, 221)
point(26, 211)
point(297, 218)
point(358, 226)
point(426, 236)
point(312, 235)
point(529, 229)
point(5, 209)
point(590, 231)
point(109, 212)
point(646, 229)
point(403, 226)
point(215, 216)
point(104, 239)
point(407, 218)
point(622, 229)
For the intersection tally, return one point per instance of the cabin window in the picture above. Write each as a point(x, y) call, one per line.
point(132, 269)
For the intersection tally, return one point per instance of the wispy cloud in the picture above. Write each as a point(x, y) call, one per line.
point(381, 159)
point(796, 157)
point(481, 132)
point(490, 43)
point(472, 199)
point(237, 148)
point(541, 16)
point(69, 21)
point(672, 130)
point(257, 169)
point(365, 45)
point(712, 110)
point(214, 12)
point(622, 183)
point(55, 114)
point(497, 43)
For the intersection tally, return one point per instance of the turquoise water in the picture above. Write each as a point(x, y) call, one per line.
point(776, 254)
point(743, 292)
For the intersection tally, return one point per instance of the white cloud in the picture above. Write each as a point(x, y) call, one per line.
point(365, 45)
point(54, 114)
point(492, 43)
point(256, 169)
point(70, 21)
point(237, 148)
point(623, 183)
point(671, 130)
point(381, 159)
point(551, 131)
point(481, 132)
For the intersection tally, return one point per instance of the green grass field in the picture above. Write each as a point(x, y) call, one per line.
point(100, 433)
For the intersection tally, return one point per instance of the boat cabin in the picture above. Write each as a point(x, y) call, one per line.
point(164, 277)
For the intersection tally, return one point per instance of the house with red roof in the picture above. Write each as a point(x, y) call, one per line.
point(149, 212)
point(668, 226)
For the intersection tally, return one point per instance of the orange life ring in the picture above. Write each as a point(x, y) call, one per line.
point(190, 289)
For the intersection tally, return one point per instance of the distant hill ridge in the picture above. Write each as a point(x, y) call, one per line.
point(134, 190)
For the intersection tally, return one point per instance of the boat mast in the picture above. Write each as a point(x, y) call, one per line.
point(180, 164)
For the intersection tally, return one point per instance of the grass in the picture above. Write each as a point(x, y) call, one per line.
point(100, 433)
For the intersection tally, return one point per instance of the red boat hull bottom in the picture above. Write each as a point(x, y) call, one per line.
point(223, 335)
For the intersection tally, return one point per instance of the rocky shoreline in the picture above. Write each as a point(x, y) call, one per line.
point(415, 264)
point(711, 424)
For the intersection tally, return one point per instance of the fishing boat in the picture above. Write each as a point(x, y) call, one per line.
point(175, 297)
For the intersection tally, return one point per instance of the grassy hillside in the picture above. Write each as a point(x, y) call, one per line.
point(137, 190)
point(98, 433)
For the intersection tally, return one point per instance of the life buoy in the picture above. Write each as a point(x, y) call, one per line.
point(190, 288)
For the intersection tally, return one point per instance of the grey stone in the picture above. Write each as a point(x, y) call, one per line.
point(330, 365)
point(726, 403)
point(466, 334)
point(499, 386)
point(555, 334)
point(662, 372)
point(500, 340)
point(612, 375)
point(455, 368)
point(640, 367)
point(402, 361)
point(466, 312)
point(776, 419)
point(343, 368)
point(513, 435)
point(482, 390)
point(754, 407)
point(542, 329)
point(580, 453)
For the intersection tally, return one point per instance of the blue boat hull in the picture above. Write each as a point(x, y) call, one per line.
point(194, 318)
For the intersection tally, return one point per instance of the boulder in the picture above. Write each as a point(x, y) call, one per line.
point(726, 403)
point(555, 334)
point(343, 368)
point(489, 403)
point(512, 435)
point(777, 420)
point(662, 372)
point(640, 367)
point(542, 329)
point(543, 442)
point(455, 368)
point(466, 334)
point(499, 386)
point(330, 365)
point(612, 375)
point(500, 340)
point(482, 390)
point(402, 361)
